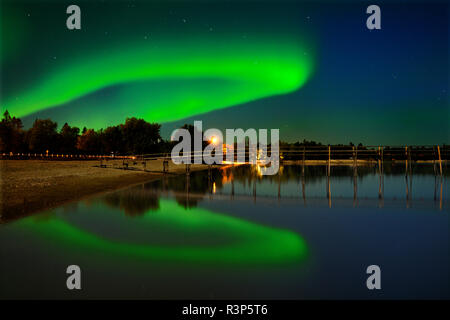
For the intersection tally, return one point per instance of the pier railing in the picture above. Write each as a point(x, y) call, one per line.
point(330, 155)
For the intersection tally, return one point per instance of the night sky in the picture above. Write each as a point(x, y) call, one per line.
point(311, 69)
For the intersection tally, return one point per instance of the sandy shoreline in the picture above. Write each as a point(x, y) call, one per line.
point(29, 186)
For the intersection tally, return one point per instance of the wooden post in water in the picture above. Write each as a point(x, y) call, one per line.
point(355, 191)
point(355, 176)
point(303, 164)
point(353, 157)
point(380, 173)
point(329, 160)
point(440, 160)
point(406, 160)
point(434, 161)
point(410, 161)
point(379, 159)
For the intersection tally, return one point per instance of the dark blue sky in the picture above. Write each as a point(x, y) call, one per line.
point(387, 86)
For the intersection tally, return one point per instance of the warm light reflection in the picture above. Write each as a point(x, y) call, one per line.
point(258, 170)
point(227, 178)
point(233, 162)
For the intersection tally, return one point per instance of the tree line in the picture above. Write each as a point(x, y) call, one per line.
point(135, 136)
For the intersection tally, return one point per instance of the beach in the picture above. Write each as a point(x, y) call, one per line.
point(29, 186)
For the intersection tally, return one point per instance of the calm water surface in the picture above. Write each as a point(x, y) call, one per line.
point(235, 234)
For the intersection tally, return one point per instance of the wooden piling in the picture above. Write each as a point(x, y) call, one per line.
point(440, 160)
point(410, 160)
point(434, 160)
point(379, 159)
point(355, 178)
point(355, 161)
point(406, 160)
point(353, 157)
point(329, 160)
point(303, 163)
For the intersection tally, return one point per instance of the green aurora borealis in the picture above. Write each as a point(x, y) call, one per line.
point(246, 242)
point(237, 72)
point(311, 69)
point(166, 63)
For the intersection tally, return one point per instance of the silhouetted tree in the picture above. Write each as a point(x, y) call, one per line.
point(11, 134)
point(140, 136)
point(43, 136)
point(112, 140)
point(89, 142)
point(68, 138)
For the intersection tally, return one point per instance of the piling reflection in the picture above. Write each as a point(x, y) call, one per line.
point(246, 181)
point(209, 225)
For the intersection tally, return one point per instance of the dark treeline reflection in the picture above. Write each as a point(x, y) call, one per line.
point(189, 190)
point(134, 201)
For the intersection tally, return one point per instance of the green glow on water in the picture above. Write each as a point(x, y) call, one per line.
point(249, 242)
point(240, 71)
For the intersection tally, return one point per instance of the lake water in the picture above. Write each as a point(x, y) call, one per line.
point(232, 234)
